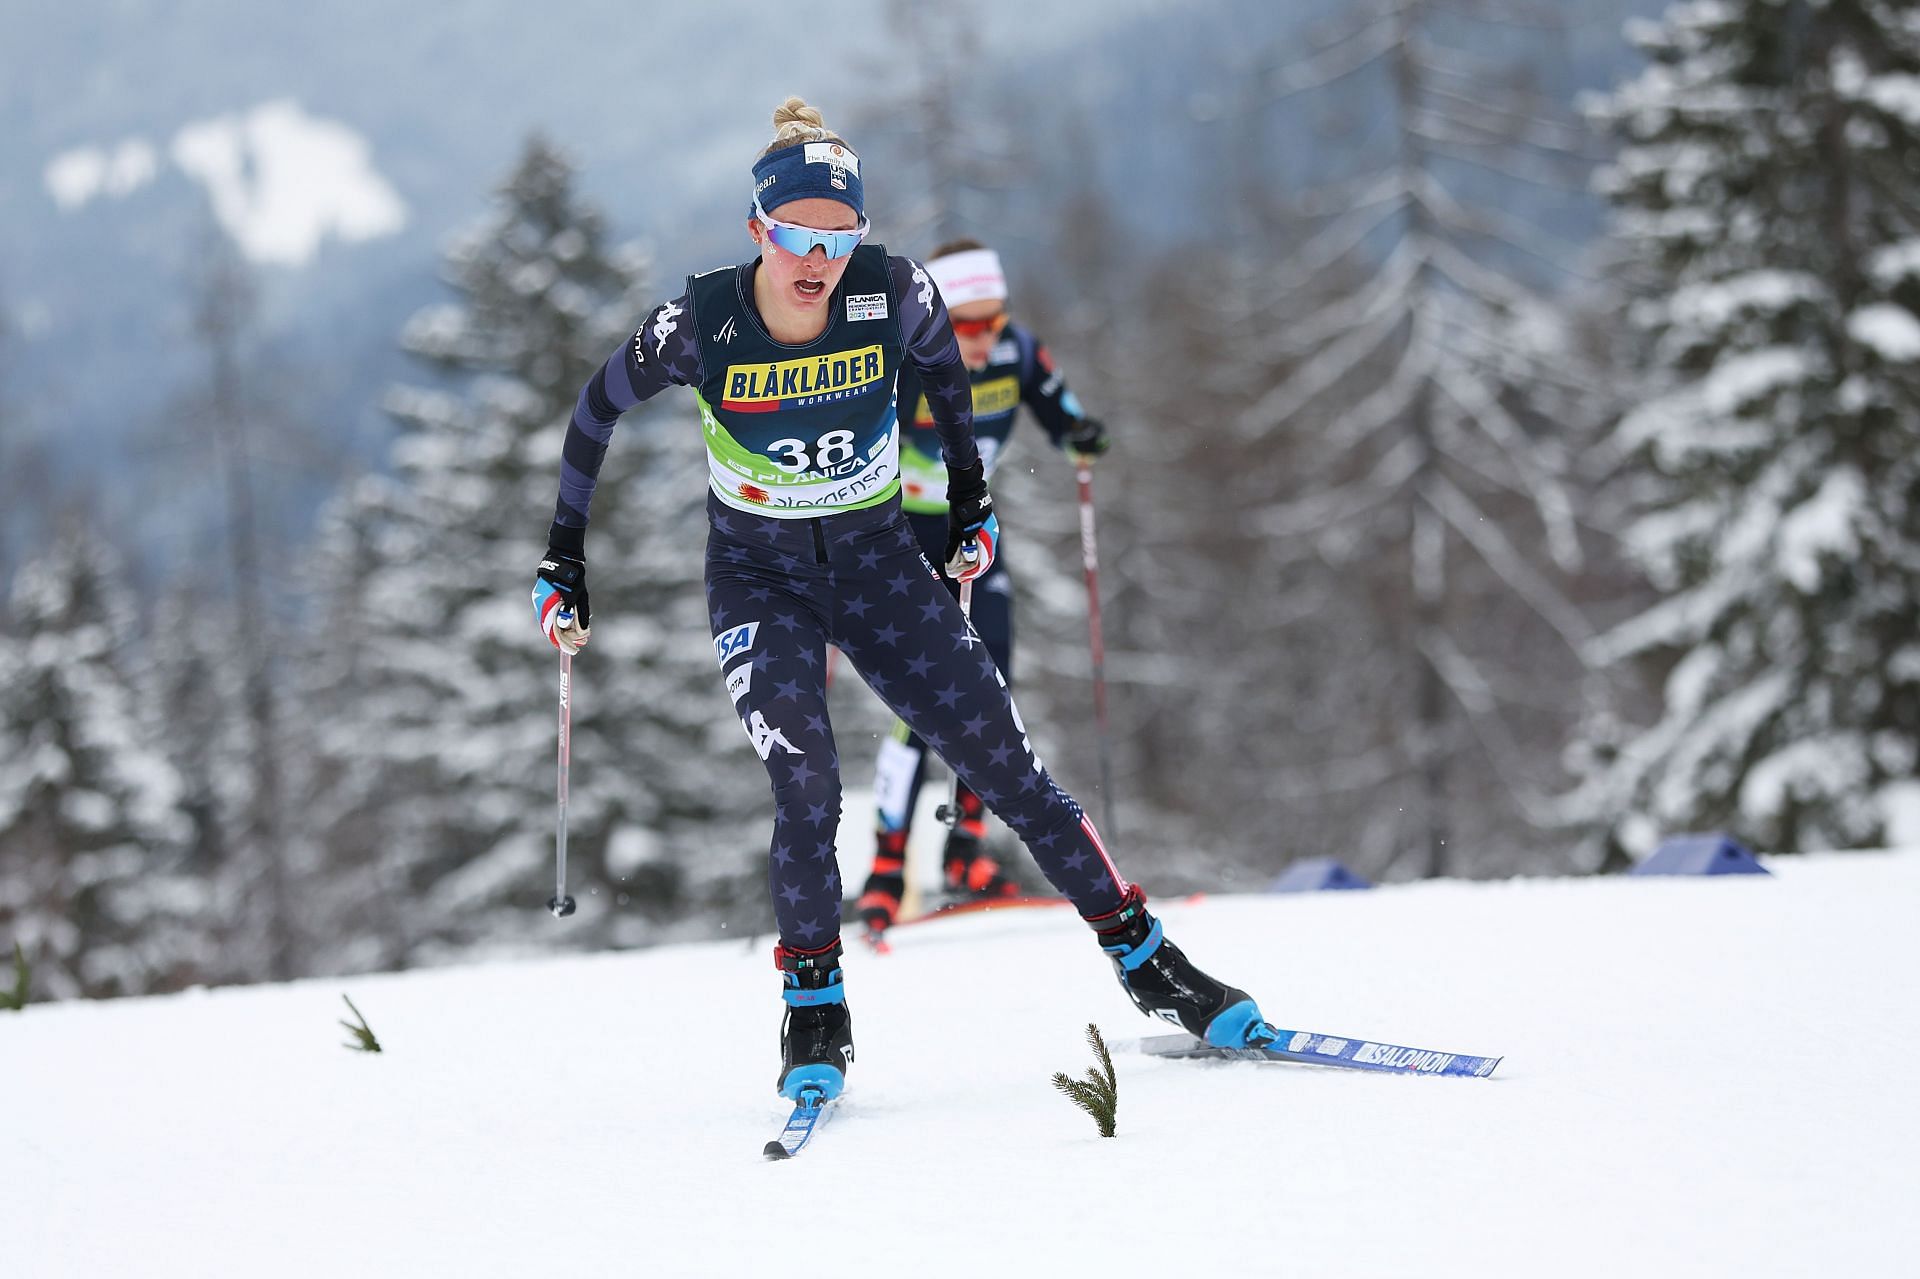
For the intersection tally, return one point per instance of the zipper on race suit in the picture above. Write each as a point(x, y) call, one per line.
point(819, 539)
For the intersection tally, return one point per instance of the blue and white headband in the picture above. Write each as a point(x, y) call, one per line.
point(809, 170)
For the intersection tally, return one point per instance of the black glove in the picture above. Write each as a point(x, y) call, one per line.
point(970, 517)
point(560, 590)
point(1088, 437)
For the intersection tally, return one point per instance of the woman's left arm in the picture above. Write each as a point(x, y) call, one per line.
point(936, 358)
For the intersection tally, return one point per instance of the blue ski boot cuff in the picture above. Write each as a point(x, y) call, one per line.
point(799, 998)
point(1131, 955)
point(809, 978)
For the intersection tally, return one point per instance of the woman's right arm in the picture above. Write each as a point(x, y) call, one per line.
point(661, 353)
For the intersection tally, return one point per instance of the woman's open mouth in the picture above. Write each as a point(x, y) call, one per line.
point(810, 290)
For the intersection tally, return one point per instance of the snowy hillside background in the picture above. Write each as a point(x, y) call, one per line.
point(1515, 420)
point(1702, 1078)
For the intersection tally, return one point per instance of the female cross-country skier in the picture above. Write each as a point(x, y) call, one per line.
point(1008, 367)
point(792, 357)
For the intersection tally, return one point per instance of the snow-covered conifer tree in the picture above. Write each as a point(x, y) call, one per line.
point(91, 830)
point(437, 769)
point(1404, 469)
point(1766, 184)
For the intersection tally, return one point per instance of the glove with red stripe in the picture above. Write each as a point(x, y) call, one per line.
point(560, 602)
point(972, 528)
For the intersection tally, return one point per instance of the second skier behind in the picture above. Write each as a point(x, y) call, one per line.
point(1008, 367)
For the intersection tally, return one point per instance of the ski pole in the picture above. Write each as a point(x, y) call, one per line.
point(562, 905)
point(1090, 557)
point(948, 814)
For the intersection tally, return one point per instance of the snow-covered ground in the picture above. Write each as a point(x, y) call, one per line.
point(1702, 1077)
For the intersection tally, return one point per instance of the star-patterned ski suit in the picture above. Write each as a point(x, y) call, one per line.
point(1019, 370)
point(807, 546)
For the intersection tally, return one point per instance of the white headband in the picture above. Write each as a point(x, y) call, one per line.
point(973, 275)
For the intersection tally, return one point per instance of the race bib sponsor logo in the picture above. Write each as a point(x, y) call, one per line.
point(766, 737)
point(866, 306)
point(736, 641)
point(995, 396)
point(739, 680)
point(792, 384)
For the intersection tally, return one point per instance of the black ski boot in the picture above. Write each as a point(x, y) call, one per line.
point(816, 1037)
point(1164, 983)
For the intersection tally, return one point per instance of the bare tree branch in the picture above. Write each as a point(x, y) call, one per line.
point(1318, 375)
point(1357, 50)
point(1543, 489)
point(1499, 555)
point(1304, 516)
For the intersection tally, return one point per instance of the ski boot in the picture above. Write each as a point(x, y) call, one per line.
point(879, 903)
point(816, 1036)
point(1164, 983)
point(969, 870)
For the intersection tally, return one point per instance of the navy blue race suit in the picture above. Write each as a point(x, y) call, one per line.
point(1019, 370)
point(807, 546)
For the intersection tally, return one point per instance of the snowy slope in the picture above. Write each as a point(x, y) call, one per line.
point(1703, 1077)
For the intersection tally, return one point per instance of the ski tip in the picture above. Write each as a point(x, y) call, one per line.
point(774, 1150)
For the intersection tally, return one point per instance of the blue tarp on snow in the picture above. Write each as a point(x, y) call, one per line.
point(1710, 854)
point(1315, 874)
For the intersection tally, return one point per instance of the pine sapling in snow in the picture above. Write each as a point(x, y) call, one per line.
point(15, 1000)
point(364, 1039)
point(1099, 1093)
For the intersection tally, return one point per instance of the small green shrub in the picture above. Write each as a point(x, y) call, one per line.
point(16, 999)
point(1099, 1093)
point(363, 1036)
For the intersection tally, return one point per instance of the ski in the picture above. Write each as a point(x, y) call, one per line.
point(977, 906)
point(808, 1114)
point(980, 906)
point(1313, 1049)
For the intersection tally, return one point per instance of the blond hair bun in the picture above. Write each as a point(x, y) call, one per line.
point(795, 121)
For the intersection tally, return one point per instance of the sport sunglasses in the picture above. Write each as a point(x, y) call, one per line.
point(802, 240)
point(988, 327)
